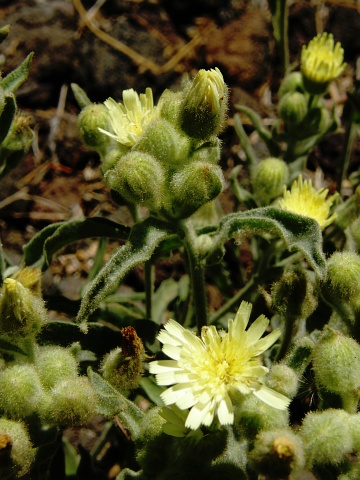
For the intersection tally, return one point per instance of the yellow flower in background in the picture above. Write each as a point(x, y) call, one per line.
point(305, 200)
point(205, 371)
point(322, 61)
point(130, 118)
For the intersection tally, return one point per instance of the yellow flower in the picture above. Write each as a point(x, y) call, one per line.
point(205, 371)
point(305, 200)
point(130, 118)
point(321, 60)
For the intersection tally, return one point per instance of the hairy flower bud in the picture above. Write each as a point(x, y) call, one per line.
point(326, 437)
point(341, 287)
point(16, 451)
point(277, 454)
point(21, 312)
point(73, 402)
point(139, 178)
point(193, 186)
point(336, 362)
point(123, 366)
point(204, 105)
point(270, 178)
point(54, 364)
point(300, 355)
point(292, 109)
point(283, 379)
point(21, 392)
point(92, 118)
point(164, 142)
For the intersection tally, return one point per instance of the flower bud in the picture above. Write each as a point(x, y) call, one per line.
point(277, 454)
point(354, 428)
point(326, 437)
point(123, 366)
point(21, 392)
point(255, 415)
point(283, 379)
point(30, 277)
point(170, 106)
point(164, 142)
point(193, 186)
point(292, 110)
point(16, 451)
point(341, 287)
point(73, 402)
point(269, 180)
point(293, 82)
point(336, 362)
point(92, 118)
point(139, 178)
point(292, 296)
point(21, 312)
point(204, 105)
point(111, 156)
point(54, 364)
point(321, 62)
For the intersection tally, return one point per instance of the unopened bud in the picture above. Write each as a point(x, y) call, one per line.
point(326, 437)
point(277, 454)
point(123, 366)
point(283, 379)
point(21, 312)
point(336, 362)
point(139, 178)
point(16, 450)
point(54, 364)
point(193, 186)
point(21, 392)
point(341, 287)
point(73, 402)
point(30, 277)
point(292, 110)
point(92, 118)
point(270, 178)
point(164, 142)
point(204, 105)
point(207, 152)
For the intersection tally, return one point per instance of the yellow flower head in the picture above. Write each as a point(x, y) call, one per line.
point(205, 371)
point(130, 118)
point(321, 60)
point(305, 200)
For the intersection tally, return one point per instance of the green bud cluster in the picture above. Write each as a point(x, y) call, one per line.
point(163, 157)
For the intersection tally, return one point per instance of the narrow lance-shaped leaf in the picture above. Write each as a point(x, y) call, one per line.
point(4, 32)
point(58, 235)
point(17, 77)
point(298, 232)
point(144, 239)
point(80, 96)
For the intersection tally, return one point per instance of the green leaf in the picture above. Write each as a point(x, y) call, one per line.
point(8, 347)
point(58, 235)
point(80, 96)
point(4, 32)
point(18, 76)
point(7, 116)
point(112, 402)
point(164, 295)
point(143, 240)
point(298, 232)
point(152, 390)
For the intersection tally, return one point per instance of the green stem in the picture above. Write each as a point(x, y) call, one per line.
point(350, 137)
point(197, 279)
point(280, 13)
point(149, 288)
point(245, 143)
